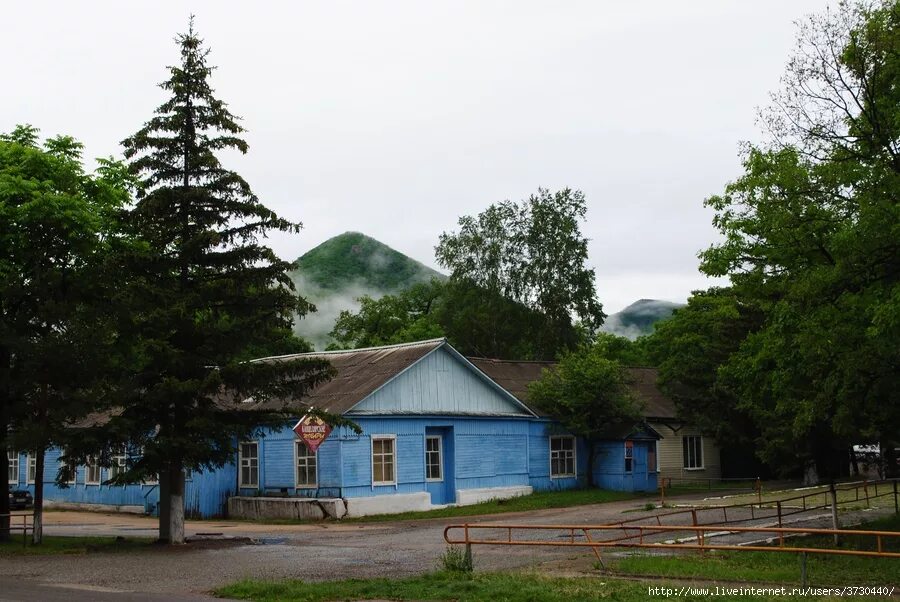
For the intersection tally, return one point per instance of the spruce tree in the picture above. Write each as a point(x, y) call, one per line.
point(204, 296)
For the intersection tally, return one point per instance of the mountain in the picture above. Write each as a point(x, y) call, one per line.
point(638, 318)
point(341, 269)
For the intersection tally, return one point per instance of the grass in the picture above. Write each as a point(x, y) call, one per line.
point(487, 587)
point(540, 500)
point(777, 567)
point(72, 545)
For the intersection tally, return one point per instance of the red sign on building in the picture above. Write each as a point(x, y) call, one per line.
point(312, 430)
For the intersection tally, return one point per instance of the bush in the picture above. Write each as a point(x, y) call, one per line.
point(457, 560)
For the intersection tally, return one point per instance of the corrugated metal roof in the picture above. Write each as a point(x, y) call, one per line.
point(359, 372)
point(515, 376)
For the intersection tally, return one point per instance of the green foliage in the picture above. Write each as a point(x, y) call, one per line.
point(476, 321)
point(690, 347)
point(354, 259)
point(407, 316)
point(456, 559)
point(202, 296)
point(587, 393)
point(532, 253)
point(810, 238)
point(58, 229)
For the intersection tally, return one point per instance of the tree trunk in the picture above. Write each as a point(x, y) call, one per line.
point(37, 534)
point(162, 507)
point(4, 444)
point(172, 506)
point(4, 485)
point(854, 463)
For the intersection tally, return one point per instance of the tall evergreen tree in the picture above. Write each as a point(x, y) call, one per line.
point(203, 298)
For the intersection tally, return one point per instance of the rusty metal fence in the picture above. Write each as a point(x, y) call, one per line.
point(779, 509)
point(24, 526)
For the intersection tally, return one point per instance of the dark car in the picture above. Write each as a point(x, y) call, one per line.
point(19, 499)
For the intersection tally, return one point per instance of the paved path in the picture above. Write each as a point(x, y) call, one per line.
point(318, 551)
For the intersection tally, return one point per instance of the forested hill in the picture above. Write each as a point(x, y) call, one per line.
point(341, 269)
point(638, 318)
point(354, 259)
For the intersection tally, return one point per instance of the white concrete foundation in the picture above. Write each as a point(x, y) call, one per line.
point(57, 505)
point(465, 497)
point(298, 508)
point(388, 504)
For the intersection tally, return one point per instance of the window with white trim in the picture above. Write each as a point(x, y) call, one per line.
point(69, 468)
point(384, 460)
point(32, 469)
point(692, 449)
point(12, 476)
point(562, 457)
point(117, 463)
point(629, 456)
point(306, 466)
point(92, 471)
point(249, 463)
point(433, 459)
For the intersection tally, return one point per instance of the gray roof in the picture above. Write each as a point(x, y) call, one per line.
point(515, 376)
point(358, 373)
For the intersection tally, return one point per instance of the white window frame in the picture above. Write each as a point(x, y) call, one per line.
point(684, 459)
point(315, 456)
point(13, 459)
point(62, 464)
point(393, 440)
point(30, 468)
point(563, 475)
point(440, 458)
point(118, 462)
point(241, 458)
point(626, 457)
point(92, 463)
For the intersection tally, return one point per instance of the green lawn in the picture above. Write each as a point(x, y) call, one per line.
point(536, 501)
point(777, 567)
point(73, 545)
point(486, 587)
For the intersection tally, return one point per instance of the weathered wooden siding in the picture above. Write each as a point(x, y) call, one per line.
point(671, 454)
point(440, 384)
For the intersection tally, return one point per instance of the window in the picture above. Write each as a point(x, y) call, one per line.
point(12, 476)
point(249, 453)
point(306, 466)
point(32, 469)
point(384, 460)
point(433, 463)
point(69, 468)
point(117, 463)
point(92, 472)
point(652, 465)
point(692, 447)
point(629, 456)
point(562, 457)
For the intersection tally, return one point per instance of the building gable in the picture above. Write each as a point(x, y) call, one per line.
point(441, 383)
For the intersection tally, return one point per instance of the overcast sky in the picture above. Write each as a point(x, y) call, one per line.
point(395, 118)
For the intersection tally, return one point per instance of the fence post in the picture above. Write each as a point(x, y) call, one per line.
point(803, 569)
point(866, 491)
point(778, 505)
point(759, 491)
point(662, 492)
point(834, 513)
point(468, 558)
point(896, 508)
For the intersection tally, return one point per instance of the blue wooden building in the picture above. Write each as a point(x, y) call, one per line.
point(437, 429)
